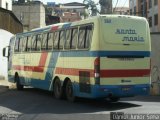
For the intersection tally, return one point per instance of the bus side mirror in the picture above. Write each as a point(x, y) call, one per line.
point(6, 52)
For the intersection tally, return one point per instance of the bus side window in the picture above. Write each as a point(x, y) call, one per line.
point(62, 39)
point(39, 38)
point(89, 31)
point(16, 48)
point(82, 37)
point(11, 44)
point(29, 43)
point(56, 39)
point(50, 41)
point(24, 44)
point(44, 41)
point(20, 44)
point(34, 43)
point(68, 39)
point(74, 37)
point(85, 36)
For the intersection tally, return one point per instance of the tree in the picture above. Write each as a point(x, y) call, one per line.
point(106, 6)
point(92, 6)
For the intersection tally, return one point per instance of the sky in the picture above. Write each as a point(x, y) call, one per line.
point(121, 3)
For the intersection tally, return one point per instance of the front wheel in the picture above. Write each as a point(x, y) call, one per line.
point(69, 91)
point(18, 84)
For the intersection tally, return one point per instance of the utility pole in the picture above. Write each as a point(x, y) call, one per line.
point(106, 6)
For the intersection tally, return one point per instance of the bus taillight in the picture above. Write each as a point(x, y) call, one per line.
point(97, 70)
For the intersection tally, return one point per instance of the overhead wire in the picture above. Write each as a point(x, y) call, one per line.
point(123, 5)
point(115, 6)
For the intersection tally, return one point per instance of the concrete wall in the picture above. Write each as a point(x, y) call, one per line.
point(155, 64)
point(155, 9)
point(31, 15)
point(6, 3)
point(9, 22)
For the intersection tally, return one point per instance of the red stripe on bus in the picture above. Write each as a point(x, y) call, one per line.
point(105, 73)
point(125, 73)
point(54, 28)
point(72, 71)
point(29, 68)
point(43, 59)
point(39, 68)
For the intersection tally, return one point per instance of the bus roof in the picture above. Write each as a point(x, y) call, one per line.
point(57, 26)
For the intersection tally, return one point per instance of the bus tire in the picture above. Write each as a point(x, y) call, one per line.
point(57, 89)
point(69, 91)
point(18, 84)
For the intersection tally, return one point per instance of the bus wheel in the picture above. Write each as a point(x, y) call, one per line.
point(57, 89)
point(69, 91)
point(114, 99)
point(18, 84)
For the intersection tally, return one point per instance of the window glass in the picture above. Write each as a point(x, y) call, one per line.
point(24, 44)
point(44, 41)
point(56, 38)
point(21, 44)
point(11, 44)
point(29, 43)
point(16, 48)
point(82, 37)
point(150, 21)
point(33, 43)
point(150, 3)
point(74, 38)
point(156, 19)
point(39, 38)
point(68, 39)
point(62, 39)
point(85, 36)
point(89, 31)
point(50, 41)
point(155, 2)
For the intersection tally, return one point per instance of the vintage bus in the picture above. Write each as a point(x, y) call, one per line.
point(106, 56)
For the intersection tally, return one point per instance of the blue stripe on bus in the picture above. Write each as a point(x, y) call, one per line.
point(45, 84)
point(66, 25)
point(104, 53)
point(34, 31)
point(103, 91)
point(97, 91)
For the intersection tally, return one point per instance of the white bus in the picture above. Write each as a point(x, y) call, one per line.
point(101, 57)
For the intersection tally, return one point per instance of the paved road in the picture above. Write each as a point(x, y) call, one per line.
point(34, 104)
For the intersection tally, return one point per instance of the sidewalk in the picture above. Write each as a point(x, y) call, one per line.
point(5, 85)
point(3, 82)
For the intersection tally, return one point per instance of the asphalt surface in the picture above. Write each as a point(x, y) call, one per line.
point(35, 104)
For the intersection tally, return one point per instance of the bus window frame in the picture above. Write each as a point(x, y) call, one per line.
point(45, 41)
point(17, 38)
point(71, 28)
point(48, 33)
point(84, 25)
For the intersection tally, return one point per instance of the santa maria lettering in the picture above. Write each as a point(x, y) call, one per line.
point(130, 35)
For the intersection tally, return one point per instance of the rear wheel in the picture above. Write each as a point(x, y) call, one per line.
point(57, 89)
point(18, 84)
point(69, 91)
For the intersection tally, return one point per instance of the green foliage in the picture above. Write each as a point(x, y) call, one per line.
point(91, 6)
